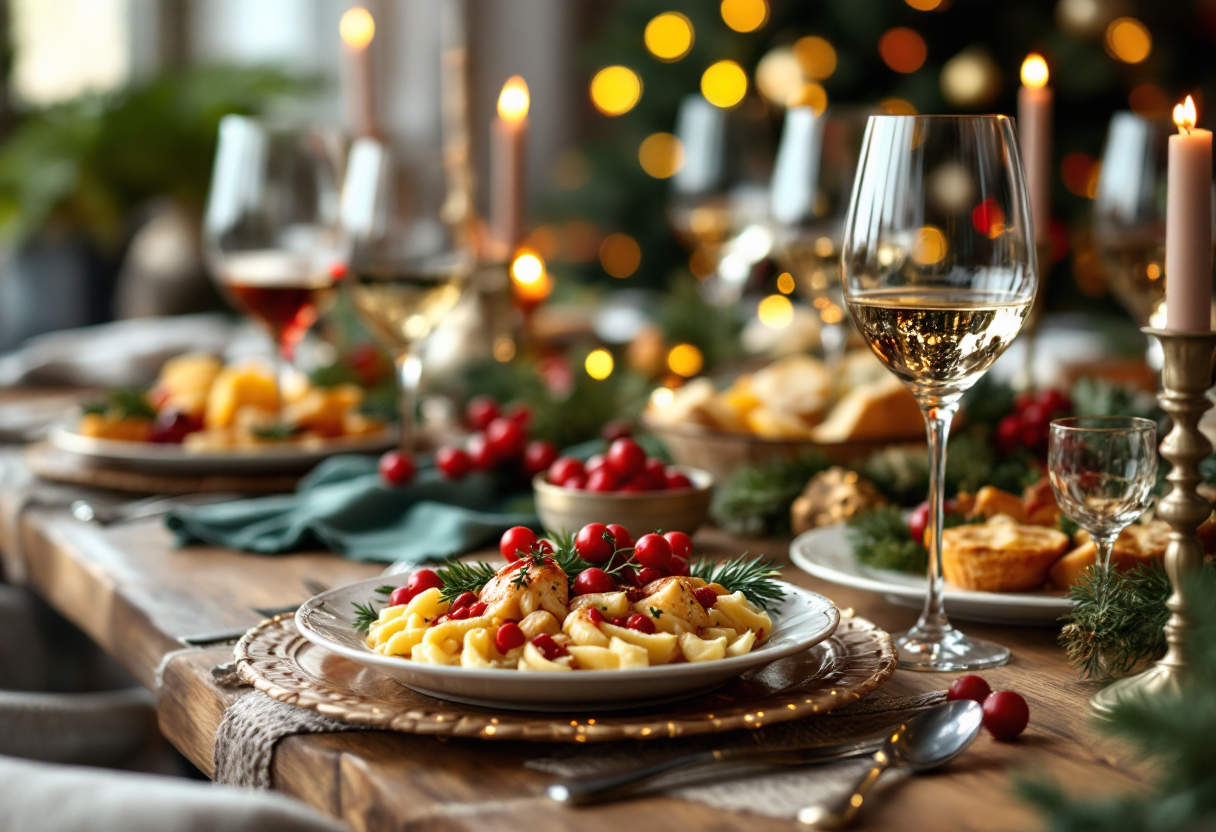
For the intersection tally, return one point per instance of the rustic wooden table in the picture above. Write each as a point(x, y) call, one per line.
point(134, 593)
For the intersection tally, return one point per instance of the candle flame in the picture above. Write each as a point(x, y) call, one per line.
point(1034, 71)
point(1185, 116)
point(513, 100)
point(357, 28)
point(531, 279)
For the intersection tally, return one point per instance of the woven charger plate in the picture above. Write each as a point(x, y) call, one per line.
point(277, 660)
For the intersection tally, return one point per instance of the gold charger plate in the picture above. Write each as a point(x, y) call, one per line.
point(856, 660)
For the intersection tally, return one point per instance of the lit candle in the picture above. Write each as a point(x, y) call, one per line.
point(1034, 139)
point(509, 139)
point(357, 29)
point(1188, 226)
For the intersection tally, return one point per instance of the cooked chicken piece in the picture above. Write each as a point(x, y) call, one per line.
point(657, 584)
point(673, 607)
point(524, 587)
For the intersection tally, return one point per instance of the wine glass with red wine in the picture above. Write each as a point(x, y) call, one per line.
point(272, 235)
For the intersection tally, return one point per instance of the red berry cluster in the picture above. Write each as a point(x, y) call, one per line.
point(1029, 424)
point(1006, 713)
point(624, 468)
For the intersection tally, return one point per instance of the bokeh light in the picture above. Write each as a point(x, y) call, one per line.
point(929, 247)
point(724, 84)
point(897, 107)
point(924, 5)
point(599, 364)
point(1034, 71)
point(1149, 100)
point(700, 265)
point(810, 95)
point(1077, 170)
point(776, 312)
point(785, 283)
point(669, 36)
point(661, 155)
point(620, 255)
point(357, 27)
point(1128, 40)
point(662, 397)
point(903, 49)
point(615, 90)
point(779, 76)
point(685, 360)
point(988, 218)
point(744, 15)
point(816, 57)
point(530, 277)
point(513, 101)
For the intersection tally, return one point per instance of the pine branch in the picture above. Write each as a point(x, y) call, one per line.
point(881, 540)
point(365, 616)
point(459, 577)
point(754, 577)
point(125, 403)
point(757, 499)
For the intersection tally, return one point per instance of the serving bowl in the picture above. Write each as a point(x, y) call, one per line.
point(682, 509)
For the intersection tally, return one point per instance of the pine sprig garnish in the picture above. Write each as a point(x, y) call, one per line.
point(459, 577)
point(1111, 639)
point(125, 403)
point(881, 540)
point(754, 577)
point(365, 616)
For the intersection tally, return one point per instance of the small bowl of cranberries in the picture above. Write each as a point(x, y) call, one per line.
point(641, 492)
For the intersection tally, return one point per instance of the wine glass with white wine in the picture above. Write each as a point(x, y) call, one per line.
point(939, 275)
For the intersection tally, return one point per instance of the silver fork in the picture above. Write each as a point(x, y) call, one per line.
point(103, 514)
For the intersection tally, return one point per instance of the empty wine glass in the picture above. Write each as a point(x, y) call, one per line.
point(939, 274)
point(271, 232)
point(1102, 470)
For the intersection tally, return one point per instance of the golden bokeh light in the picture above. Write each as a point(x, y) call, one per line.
point(620, 255)
point(662, 397)
point(669, 36)
point(924, 5)
point(785, 283)
point(700, 265)
point(530, 277)
point(1034, 71)
point(778, 75)
point(929, 247)
point(615, 90)
point(513, 101)
point(1076, 170)
point(724, 84)
point(776, 312)
point(599, 364)
point(685, 360)
point(1149, 100)
point(897, 107)
point(903, 49)
point(816, 57)
point(357, 27)
point(661, 155)
point(810, 95)
point(744, 15)
point(1128, 40)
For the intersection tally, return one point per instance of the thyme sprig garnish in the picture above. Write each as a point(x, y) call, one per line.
point(459, 577)
point(754, 577)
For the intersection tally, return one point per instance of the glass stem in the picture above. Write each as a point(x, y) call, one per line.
point(937, 423)
point(1105, 546)
point(409, 373)
point(283, 359)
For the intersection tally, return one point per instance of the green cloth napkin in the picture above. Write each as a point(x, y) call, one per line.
point(344, 506)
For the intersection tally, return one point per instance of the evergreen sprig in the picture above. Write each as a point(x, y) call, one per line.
point(757, 499)
point(459, 577)
point(881, 540)
point(123, 402)
point(365, 616)
point(754, 577)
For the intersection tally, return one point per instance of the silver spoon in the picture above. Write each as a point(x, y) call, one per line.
point(930, 739)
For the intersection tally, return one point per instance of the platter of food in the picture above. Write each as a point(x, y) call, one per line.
point(550, 631)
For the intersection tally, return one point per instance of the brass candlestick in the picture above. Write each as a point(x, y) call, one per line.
point(1185, 380)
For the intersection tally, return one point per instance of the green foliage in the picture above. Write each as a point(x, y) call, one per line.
point(685, 317)
point(757, 499)
point(1096, 397)
point(124, 403)
point(902, 473)
point(754, 577)
point(988, 402)
point(880, 539)
point(459, 577)
point(365, 616)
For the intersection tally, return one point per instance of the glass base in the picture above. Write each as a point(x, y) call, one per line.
point(947, 651)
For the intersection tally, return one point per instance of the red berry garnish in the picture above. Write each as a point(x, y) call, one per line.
point(656, 469)
point(1035, 415)
point(1022, 401)
point(401, 595)
point(595, 616)
point(647, 574)
point(706, 597)
point(478, 609)
point(173, 426)
point(617, 429)
point(592, 581)
point(453, 463)
point(681, 544)
point(626, 458)
point(516, 542)
point(594, 463)
point(520, 414)
point(397, 468)
point(624, 540)
point(480, 452)
point(564, 468)
point(677, 479)
point(480, 411)
point(539, 456)
point(458, 615)
point(1009, 432)
point(678, 566)
point(1005, 714)
point(578, 482)
point(918, 522)
point(591, 545)
point(464, 599)
point(652, 550)
point(548, 648)
point(1054, 401)
point(421, 581)
point(620, 622)
point(602, 480)
point(641, 623)
point(506, 438)
point(638, 485)
point(508, 637)
point(969, 687)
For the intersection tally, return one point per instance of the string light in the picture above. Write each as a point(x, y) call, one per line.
point(776, 312)
point(903, 49)
point(599, 364)
point(929, 247)
point(357, 28)
point(1128, 40)
point(744, 15)
point(810, 95)
point(615, 90)
point(816, 56)
point(685, 360)
point(620, 255)
point(1076, 170)
point(724, 84)
point(661, 155)
point(669, 36)
point(785, 283)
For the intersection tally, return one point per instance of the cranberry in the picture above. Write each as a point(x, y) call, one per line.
point(578, 482)
point(617, 429)
point(506, 438)
point(464, 599)
point(539, 456)
point(172, 426)
point(626, 458)
point(401, 595)
point(477, 610)
point(602, 480)
point(593, 543)
point(620, 622)
point(548, 648)
point(1005, 714)
point(638, 485)
point(634, 595)
point(1034, 436)
point(564, 468)
point(520, 414)
point(453, 463)
point(421, 581)
point(592, 581)
point(595, 616)
point(656, 469)
point(1009, 432)
point(969, 687)
point(1054, 401)
point(480, 411)
point(397, 468)
point(624, 540)
point(1036, 416)
point(647, 574)
point(706, 597)
point(458, 615)
point(652, 550)
point(1022, 401)
point(594, 463)
point(480, 452)
point(681, 544)
point(918, 522)
point(508, 637)
point(678, 566)
point(676, 479)
point(641, 623)
point(516, 542)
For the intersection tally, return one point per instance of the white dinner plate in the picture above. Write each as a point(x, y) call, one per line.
point(804, 620)
point(826, 553)
point(150, 457)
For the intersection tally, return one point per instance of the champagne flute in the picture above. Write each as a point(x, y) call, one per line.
point(939, 275)
point(271, 232)
point(408, 268)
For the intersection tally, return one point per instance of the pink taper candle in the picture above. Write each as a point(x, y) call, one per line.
point(1034, 140)
point(507, 153)
point(1188, 226)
